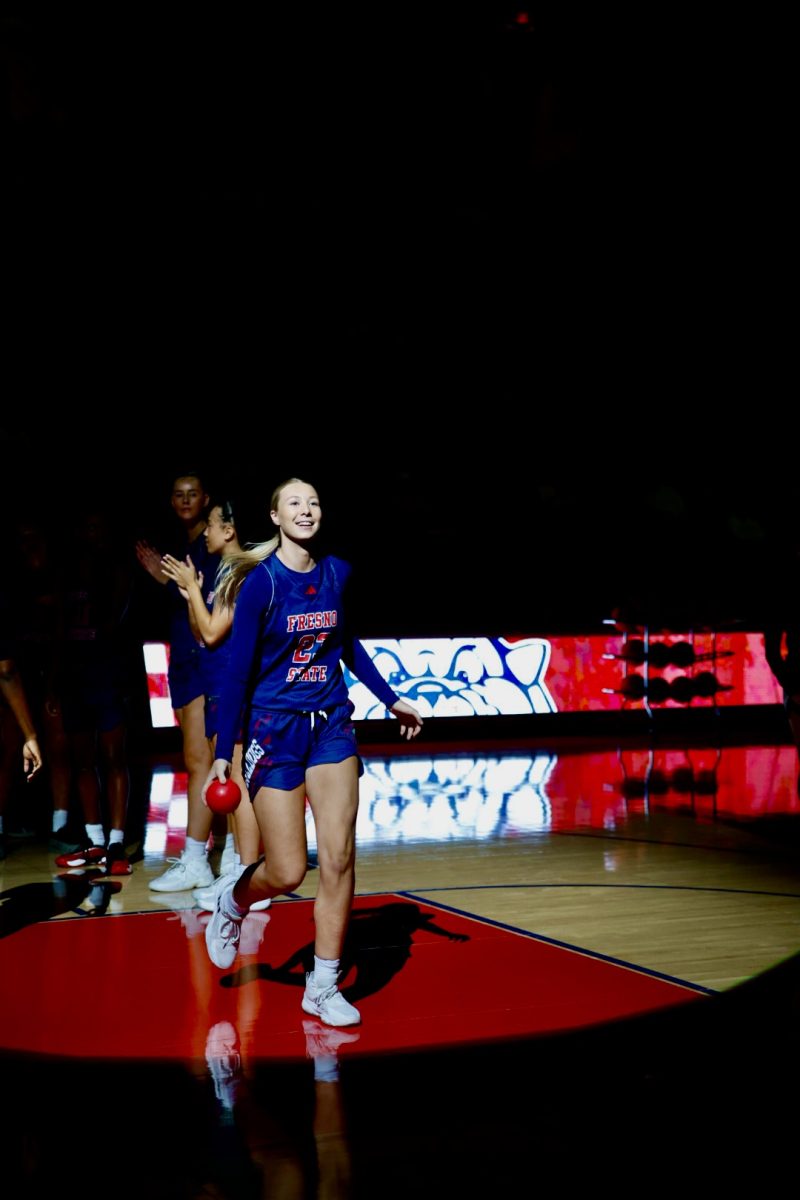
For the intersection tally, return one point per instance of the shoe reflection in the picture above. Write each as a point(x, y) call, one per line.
point(194, 921)
point(258, 1147)
point(224, 1063)
point(80, 893)
point(322, 1045)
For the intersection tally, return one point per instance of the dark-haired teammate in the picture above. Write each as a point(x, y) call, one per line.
point(187, 680)
point(212, 621)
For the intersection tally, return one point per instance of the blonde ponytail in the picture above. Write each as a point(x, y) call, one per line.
point(236, 567)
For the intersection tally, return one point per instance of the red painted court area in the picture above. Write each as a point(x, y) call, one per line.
point(141, 986)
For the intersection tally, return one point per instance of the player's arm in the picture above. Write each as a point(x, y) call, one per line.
point(355, 657)
point(14, 693)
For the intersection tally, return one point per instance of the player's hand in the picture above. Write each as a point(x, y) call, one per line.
point(220, 769)
point(409, 718)
point(182, 573)
point(150, 559)
point(31, 757)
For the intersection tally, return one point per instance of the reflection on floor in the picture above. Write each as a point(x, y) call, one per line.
point(691, 1098)
point(421, 976)
point(419, 798)
point(575, 969)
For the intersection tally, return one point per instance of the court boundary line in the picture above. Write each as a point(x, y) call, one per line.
point(540, 937)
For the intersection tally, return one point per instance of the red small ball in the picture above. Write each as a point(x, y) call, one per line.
point(223, 796)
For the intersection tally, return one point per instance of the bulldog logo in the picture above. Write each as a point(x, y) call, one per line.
point(458, 677)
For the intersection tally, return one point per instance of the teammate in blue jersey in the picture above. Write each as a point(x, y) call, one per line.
point(212, 622)
point(187, 680)
point(286, 687)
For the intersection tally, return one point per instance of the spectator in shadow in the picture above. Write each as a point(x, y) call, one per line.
point(14, 705)
point(37, 566)
point(93, 683)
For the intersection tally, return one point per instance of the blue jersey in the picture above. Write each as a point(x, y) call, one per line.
point(287, 644)
point(217, 658)
point(182, 642)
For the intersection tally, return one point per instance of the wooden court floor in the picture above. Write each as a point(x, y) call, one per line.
point(573, 965)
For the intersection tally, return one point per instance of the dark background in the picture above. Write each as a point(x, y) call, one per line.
point(507, 283)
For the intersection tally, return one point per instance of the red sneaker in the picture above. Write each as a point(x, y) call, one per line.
point(85, 856)
point(117, 860)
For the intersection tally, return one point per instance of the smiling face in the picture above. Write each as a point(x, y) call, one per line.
point(297, 512)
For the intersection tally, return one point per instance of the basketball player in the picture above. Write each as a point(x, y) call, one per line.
point(212, 622)
point(187, 681)
point(290, 634)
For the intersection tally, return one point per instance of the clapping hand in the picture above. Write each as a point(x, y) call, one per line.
point(150, 559)
point(182, 573)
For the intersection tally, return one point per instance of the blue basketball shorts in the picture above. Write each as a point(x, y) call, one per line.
point(186, 679)
point(281, 746)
